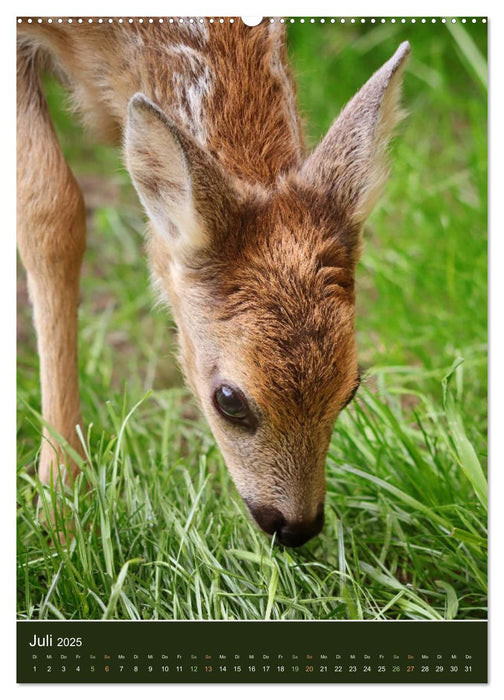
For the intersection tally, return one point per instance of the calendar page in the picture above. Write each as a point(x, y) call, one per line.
point(252, 349)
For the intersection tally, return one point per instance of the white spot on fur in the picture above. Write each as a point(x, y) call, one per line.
point(197, 30)
point(192, 82)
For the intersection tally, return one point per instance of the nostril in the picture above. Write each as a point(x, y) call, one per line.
point(296, 534)
point(269, 518)
point(289, 533)
point(293, 538)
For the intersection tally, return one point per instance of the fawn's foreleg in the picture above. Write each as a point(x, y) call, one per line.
point(51, 241)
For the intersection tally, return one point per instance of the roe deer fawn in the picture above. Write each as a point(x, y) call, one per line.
point(253, 242)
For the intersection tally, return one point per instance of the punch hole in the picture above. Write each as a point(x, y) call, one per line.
point(251, 21)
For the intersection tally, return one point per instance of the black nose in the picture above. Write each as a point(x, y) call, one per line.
point(291, 533)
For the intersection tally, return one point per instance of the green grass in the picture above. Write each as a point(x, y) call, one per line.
point(161, 533)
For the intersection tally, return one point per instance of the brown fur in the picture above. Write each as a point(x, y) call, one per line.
point(253, 244)
point(51, 241)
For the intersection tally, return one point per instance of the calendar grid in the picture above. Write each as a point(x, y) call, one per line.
point(220, 651)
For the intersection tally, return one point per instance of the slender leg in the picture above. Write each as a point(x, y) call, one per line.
point(51, 241)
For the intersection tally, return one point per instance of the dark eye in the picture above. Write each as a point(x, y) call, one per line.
point(232, 405)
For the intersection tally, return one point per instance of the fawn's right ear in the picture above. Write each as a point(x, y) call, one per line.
point(182, 189)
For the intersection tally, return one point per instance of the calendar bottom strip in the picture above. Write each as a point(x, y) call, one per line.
point(251, 652)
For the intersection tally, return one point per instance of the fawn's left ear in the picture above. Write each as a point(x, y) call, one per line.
point(182, 189)
point(350, 163)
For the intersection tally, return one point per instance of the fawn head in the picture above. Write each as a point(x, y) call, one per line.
point(261, 283)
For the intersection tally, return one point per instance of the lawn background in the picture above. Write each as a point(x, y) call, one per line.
point(162, 531)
